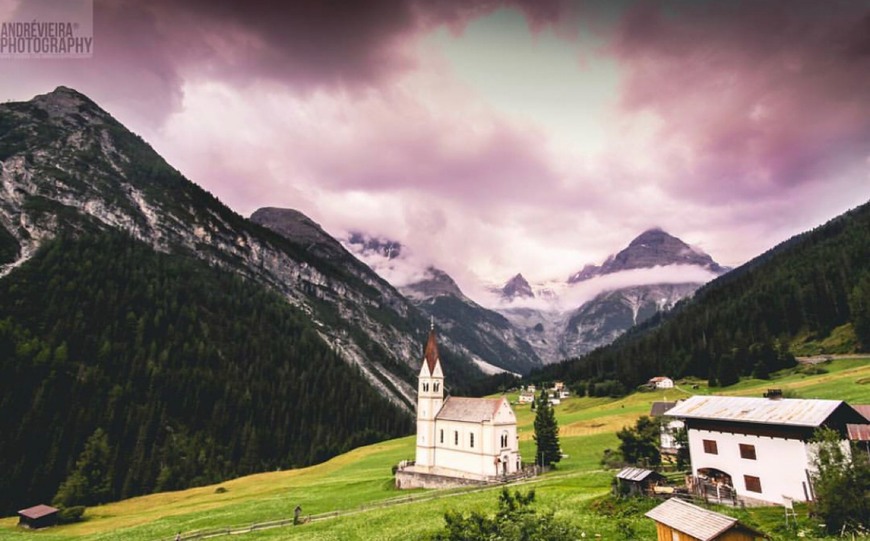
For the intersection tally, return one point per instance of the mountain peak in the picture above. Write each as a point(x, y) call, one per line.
point(517, 286)
point(299, 228)
point(63, 101)
point(653, 248)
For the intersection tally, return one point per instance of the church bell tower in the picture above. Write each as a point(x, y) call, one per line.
point(430, 397)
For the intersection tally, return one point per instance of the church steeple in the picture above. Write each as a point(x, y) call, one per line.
point(430, 398)
point(430, 354)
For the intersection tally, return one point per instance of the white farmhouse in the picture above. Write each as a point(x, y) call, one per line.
point(661, 382)
point(469, 439)
point(669, 426)
point(759, 448)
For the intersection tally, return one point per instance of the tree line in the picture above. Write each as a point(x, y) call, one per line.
point(742, 323)
point(174, 373)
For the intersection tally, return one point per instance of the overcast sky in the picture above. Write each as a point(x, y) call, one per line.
point(496, 137)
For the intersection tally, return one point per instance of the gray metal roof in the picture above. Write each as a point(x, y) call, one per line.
point(691, 519)
point(474, 410)
point(634, 474)
point(784, 411)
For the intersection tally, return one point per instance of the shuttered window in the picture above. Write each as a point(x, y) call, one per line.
point(753, 484)
point(710, 447)
point(747, 451)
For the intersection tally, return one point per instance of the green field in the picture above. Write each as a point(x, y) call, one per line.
point(359, 483)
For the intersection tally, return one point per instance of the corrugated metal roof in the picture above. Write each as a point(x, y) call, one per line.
point(691, 519)
point(859, 432)
point(634, 474)
point(474, 410)
point(37, 511)
point(863, 409)
point(784, 411)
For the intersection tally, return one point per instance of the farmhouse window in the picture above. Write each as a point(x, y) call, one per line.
point(753, 484)
point(747, 451)
point(442, 435)
point(471, 440)
point(710, 447)
point(455, 437)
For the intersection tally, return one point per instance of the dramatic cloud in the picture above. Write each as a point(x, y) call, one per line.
point(755, 97)
point(493, 137)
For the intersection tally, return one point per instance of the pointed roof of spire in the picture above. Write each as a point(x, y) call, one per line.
point(431, 351)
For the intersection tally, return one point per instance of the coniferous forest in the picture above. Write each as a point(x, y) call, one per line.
point(168, 371)
point(743, 322)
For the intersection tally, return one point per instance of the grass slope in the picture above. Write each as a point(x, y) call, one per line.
point(361, 480)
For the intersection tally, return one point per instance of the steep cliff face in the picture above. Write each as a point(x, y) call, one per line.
point(68, 166)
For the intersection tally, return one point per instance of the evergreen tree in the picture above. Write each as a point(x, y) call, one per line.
point(546, 432)
point(859, 304)
point(841, 484)
point(639, 445)
point(91, 482)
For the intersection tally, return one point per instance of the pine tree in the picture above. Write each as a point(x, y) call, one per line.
point(91, 482)
point(546, 433)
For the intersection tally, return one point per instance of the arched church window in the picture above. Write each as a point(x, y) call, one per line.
point(425, 387)
point(435, 387)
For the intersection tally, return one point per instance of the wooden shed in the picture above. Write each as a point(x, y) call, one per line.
point(637, 481)
point(38, 516)
point(677, 520)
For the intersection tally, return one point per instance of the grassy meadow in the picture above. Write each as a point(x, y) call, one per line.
point(359, 483)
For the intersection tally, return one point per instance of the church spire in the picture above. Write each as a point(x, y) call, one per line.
point(431, 352)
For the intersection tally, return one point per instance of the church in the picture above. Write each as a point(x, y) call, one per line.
point(459, 440)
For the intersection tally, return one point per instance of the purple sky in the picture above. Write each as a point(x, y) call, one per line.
point(496, 137)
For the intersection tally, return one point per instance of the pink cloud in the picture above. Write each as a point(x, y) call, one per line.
point(755, 97)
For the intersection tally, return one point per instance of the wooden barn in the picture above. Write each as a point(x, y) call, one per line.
point(677, 520)
point(38, 516)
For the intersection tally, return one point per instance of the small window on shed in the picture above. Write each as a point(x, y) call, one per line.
point(710, 447)
point(753, 484)
point(747, 451)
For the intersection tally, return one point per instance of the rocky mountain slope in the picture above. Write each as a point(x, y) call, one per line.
point(652, 248)
point(68, 166)
point(483, 335)
point(626, 297)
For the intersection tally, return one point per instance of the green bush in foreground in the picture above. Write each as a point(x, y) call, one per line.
point(514, 521)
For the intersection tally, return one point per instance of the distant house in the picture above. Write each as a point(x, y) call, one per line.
point(758, 448)
point(637, 481)
point(526, 397)
point(677, 520)
point(661, 382)
point(39, 516)
point(670, 425)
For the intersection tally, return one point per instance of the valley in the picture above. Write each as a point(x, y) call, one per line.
point(358, 484)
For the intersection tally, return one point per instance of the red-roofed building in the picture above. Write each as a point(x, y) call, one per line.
point(38, 516)
point(471, 439)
